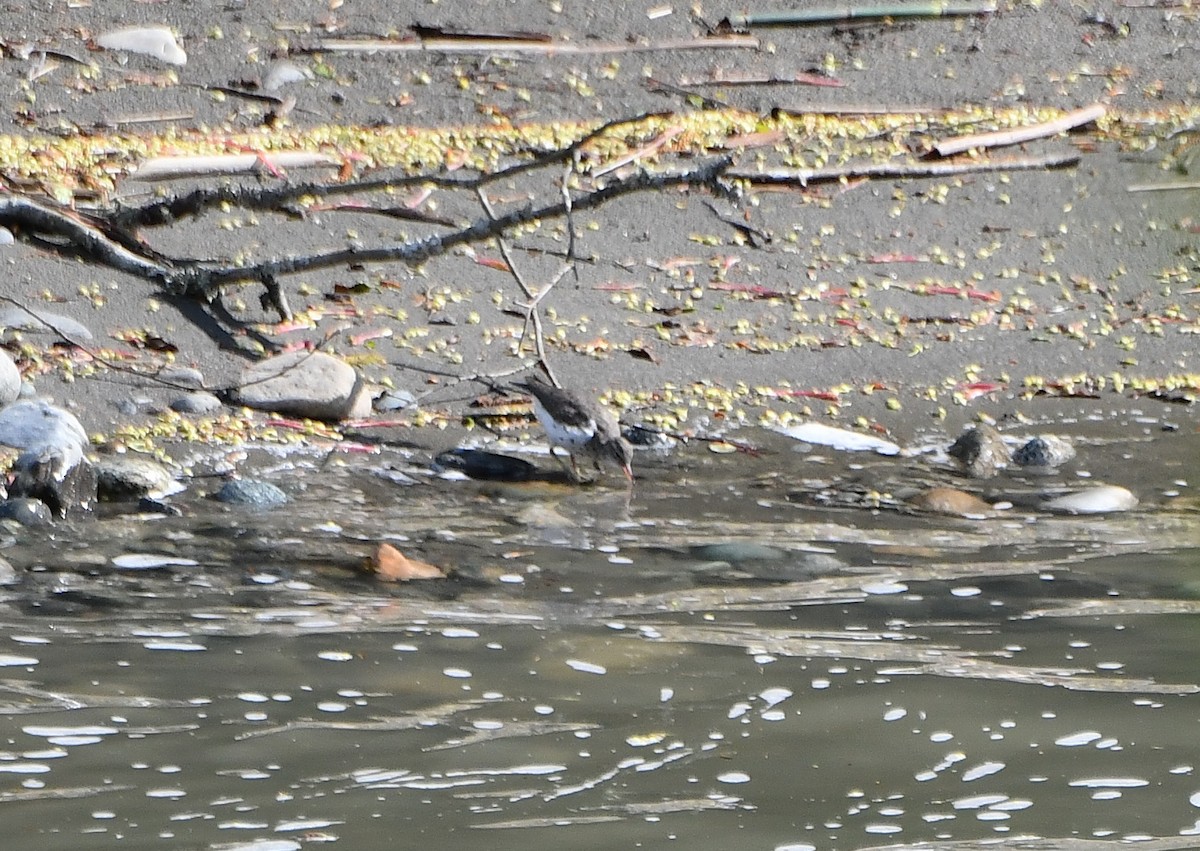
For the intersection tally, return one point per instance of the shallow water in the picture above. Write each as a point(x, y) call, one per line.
point(741, 653)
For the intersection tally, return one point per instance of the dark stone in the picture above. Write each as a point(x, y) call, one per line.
point(1046, 451)
point(27, 512)
point(150, 505)
point(252, 493)
point(481, 464)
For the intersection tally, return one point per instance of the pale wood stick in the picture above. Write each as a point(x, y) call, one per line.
point(1074, 118)
point(1163, 187)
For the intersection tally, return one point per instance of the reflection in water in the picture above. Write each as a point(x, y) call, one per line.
point(709, 664)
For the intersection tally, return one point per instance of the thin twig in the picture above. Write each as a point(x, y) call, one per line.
point(907, 168)
point(529, 46)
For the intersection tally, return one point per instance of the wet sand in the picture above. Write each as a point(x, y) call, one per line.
point(898, 306)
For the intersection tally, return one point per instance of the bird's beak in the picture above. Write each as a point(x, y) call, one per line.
point(628, 472)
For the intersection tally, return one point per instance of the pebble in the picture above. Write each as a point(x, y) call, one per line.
point(950, 501)
point(304, 384)
point(200, 402)
point(183, 376)
point(252, 493)
point(1044, 451)
point(980, 452)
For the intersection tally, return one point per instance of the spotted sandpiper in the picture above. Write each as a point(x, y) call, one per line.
point(580, 426)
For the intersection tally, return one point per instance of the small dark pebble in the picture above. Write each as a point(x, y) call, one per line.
point(150, 505)
point(481, 464)
point(252, 493)
point(1044, 452)
point(648, 438)
point(27, 512)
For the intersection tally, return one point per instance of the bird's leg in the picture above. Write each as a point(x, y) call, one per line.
point(575, 470)
point(570, 469)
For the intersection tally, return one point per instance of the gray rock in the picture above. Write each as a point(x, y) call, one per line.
point(10, 380)
point(27, 512)
point(1044, 451)
point(305, 384)
point(183, 376)
point(44, 322)
point(252, 493)
point(980, 452)
point(200, 402)
point(128, 477)
point(51, 466)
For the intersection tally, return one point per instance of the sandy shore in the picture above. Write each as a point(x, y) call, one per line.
point(896, 305)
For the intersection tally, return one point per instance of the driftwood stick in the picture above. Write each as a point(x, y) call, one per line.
point(1074, 118)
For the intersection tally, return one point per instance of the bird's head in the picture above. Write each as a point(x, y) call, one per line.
point(621, 453)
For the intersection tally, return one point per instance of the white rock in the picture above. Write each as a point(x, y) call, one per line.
point(1097, 500)
point(305, 384)
point(839, 438)
point(10, 379)
point(158, 42)
point(281, 72)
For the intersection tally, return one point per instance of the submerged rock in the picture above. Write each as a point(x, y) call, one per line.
point(481, 464)
point(251, 493)
point(738, 551)
point(980, 452)
point(305, 384)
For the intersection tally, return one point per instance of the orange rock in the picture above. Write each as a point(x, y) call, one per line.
point(950, 501)
point(390, 564)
